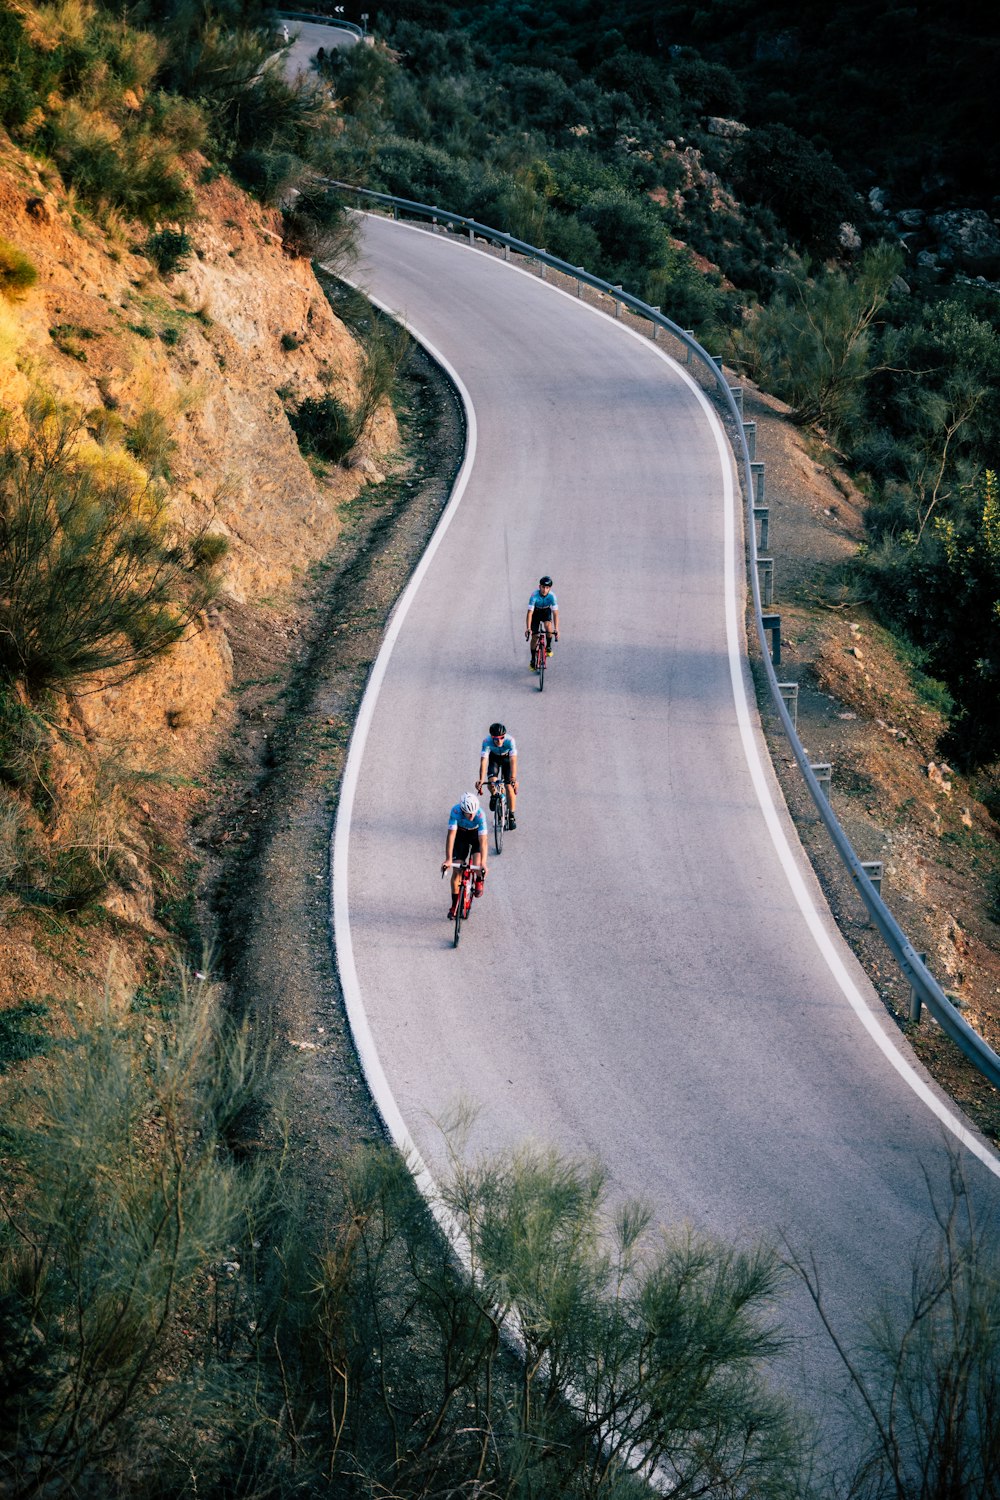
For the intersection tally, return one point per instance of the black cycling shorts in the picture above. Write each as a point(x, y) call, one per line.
point(541, 614)
point(466, 842)
point(502, 764)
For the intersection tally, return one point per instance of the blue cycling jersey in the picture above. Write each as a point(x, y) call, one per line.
point(506, 747)
point(543, 601)
point(457, 819)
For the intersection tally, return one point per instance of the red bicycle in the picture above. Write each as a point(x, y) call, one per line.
point(463, 906)
point(540, 655)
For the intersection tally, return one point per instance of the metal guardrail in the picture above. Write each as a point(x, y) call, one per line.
point(925, 989)
point(316, 20)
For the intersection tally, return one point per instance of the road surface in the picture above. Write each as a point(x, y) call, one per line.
point(652, 976)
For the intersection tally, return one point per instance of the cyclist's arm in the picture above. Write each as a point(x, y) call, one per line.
point(483, 762)
point(513, 771)
point(527, 619)
point(555, 621)
point(484, 847)
point(449, 846)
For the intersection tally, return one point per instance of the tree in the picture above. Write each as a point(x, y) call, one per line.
point(928, 1377)
point(814, 344)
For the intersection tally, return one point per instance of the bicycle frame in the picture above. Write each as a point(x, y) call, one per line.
point(498, 790)
point(464, 905)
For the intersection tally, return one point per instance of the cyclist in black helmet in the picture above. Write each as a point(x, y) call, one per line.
point(543, 610)
point(499, 756)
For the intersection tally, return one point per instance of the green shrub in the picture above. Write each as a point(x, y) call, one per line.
point(148, 438)
point(89, 582)
point(208, 549)
point(325, 426)
point(289, 342)
point(17, 273)
point(169, 250)
point(21, 1036)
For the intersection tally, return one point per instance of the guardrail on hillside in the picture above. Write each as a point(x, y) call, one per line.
point(925, 989)
point(315, 20)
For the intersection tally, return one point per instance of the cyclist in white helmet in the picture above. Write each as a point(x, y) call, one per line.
point(543, 614)
point(467, 834)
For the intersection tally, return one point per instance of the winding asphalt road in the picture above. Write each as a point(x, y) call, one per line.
point(652, 975)
point(308, 38)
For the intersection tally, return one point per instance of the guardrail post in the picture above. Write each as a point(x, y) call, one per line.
point(916, 1004)
point(687, 347)
point(618, 306)
point(736, 391)
point(506, 252)
point(790, 694)
point(757, 471)
point(762, 514)
point(542, 267)
point(656, 326)
point(579, 283)
point(472, 235)
point(823, 772)
point(765, 571)
point(395, 210)
point(750, 430)
point(772, 624)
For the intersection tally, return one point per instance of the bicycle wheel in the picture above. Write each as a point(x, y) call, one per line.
point(499, 819)
point(542, 657)
point(458, 915)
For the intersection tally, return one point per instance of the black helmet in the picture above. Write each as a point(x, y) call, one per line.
point(545, 582)
point(498, 730)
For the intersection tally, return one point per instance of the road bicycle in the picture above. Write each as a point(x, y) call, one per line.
point(501, 809)
point(540, 656)
point(464, 904)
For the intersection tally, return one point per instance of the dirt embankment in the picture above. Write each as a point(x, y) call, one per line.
point(185, 376)
point(863, 709)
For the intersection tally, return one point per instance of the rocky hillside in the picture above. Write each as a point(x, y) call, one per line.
point(181, 378)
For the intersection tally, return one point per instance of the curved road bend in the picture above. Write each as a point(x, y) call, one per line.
point(309, 37)
point(639, 981)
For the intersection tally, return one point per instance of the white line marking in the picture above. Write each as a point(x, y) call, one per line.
point(370, 1061)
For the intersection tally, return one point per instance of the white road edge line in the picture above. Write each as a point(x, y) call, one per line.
point(354, 1004)
point(371, 1062)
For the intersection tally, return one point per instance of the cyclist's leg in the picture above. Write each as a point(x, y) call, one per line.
point(508, 781)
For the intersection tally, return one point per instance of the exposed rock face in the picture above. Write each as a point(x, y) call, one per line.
point(206, 348)
point(968, 238)
point(728, 130)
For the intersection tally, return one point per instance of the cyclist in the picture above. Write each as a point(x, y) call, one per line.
point(466, 835)
point(543, 609)
point(499, 757)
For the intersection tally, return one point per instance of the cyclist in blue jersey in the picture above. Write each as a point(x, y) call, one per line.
point(543, 610)
point(499, 757)
point(466, 835)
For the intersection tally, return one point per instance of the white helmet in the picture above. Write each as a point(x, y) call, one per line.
point(469, 804)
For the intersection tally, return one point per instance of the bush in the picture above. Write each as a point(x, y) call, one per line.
point(169, 250)
point(17, 273)
point(129, 1206)
point(148, 439)
point(317, 224)
point(325, 426)
point(425, 173)
point(89, 582)
point(802, 186)
point(21, 1036)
